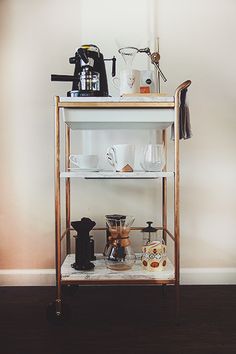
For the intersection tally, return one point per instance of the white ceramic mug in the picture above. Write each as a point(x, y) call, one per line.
point(121, 157)
point(85, 162)
point(128, 81)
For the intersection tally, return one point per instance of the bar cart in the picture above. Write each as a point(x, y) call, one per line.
point(113, 113)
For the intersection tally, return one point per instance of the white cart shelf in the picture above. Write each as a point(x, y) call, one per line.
point(110, 113)
point(116, 175)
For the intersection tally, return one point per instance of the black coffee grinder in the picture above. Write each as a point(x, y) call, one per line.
point(83, 251)
point(89, 77)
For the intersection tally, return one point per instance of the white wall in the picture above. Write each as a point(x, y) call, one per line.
point(36, 39)
point(200, 44)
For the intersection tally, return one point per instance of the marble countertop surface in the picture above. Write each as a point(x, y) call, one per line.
point(101, 272)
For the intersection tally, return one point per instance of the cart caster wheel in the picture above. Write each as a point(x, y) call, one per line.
point(57, 318)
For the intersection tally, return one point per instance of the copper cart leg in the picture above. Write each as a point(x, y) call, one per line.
point(176, 202)
point(57, 209)
point(164, 198)
point(67, 165)
point(164, 189)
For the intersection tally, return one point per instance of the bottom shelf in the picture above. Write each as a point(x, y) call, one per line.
point(102, 275)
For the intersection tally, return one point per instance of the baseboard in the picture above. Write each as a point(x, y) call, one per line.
point(208, 276)
point(27, 277)
point(189, 276)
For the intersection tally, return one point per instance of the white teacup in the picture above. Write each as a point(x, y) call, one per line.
point(121, 157)
point(85, 162)
point(128, 81)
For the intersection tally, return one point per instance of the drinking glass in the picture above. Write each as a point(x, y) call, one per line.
point(153, 158)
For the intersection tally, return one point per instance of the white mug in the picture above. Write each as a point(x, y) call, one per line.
point(121, 157)
point(85, 162)
point(128, 82)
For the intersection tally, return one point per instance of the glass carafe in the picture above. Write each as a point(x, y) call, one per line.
point(119, 254)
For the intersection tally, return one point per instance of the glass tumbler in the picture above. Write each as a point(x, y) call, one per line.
point(153, 158)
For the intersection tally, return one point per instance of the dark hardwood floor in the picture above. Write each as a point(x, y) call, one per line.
point(119, 320)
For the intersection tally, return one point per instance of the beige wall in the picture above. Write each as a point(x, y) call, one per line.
point(197, 43)
point(200, 44)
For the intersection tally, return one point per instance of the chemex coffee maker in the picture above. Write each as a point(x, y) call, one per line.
point(89, 77)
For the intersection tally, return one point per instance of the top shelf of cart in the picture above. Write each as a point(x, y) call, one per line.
point(113, 112)
point(117, 102)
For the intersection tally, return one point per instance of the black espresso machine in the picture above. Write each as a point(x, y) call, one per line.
point(89, 77)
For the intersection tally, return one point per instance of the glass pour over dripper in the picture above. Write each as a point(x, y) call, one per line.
point(128, 54)
point(119, 255)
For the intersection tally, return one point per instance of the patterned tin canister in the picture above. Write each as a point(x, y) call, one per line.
point(154, 256)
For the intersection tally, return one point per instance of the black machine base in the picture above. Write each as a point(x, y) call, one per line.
point(76, 93)
point(78, 266)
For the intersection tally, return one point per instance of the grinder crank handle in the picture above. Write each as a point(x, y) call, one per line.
point(55, 77)
point(113, 66)
point(160, 72)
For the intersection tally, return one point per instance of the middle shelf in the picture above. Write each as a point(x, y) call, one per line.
point(115, 175)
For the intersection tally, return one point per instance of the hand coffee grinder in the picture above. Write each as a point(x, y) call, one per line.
point(89, 77)
point(83, 254)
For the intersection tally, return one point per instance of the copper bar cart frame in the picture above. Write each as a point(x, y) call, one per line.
point(59, 236)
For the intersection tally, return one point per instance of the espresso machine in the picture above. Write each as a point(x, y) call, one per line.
point(89, 77)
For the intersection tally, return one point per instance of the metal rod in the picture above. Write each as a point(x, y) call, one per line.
point(64, 234)
point(140, 228)
point(57, 207)
point(176, 185)
point(160, 72)
point(176, 201)
point(157, 71)
point(67, 165)
point(170, 234)
point(164, 187)
point(181, 87)
point(132, 229)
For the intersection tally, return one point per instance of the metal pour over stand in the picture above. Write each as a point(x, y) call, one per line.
point(129, 53)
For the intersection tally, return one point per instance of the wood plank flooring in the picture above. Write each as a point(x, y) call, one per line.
point(119, 320)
